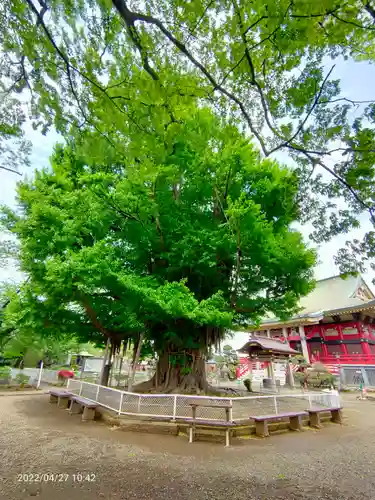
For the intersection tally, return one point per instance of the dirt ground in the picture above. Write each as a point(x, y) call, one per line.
point(81, 461)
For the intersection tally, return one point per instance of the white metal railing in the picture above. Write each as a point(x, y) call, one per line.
point(176, 406)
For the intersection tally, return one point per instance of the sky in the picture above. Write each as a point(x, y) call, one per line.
point(356, 83)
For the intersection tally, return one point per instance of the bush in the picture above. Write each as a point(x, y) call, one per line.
point(5, 373)
point(299, 377)
point(21, 379)
point(247, 384)
point(317, 380)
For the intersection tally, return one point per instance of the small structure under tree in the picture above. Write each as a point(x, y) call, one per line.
point(267, 350)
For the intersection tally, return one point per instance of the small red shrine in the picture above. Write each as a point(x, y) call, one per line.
point(336, 324)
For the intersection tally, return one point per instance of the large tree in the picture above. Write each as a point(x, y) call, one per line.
point(186, 239)
point(265, 63)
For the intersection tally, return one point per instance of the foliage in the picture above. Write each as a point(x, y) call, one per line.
point(247, 384)
point(5, 373)
point(299, 377)
point(114, 68)
point(25, 342)
point(14, 148)
point(228, 356)
point(30, 347)
point(315, 379)
point(299, 360)
point(21, 379)
point(180, 241)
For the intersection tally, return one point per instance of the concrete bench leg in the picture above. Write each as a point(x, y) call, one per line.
point(295, 423)
point(315, 420)
point(75, 408)
point(227, 437)
point(261, 428)
point(53, 399)
point(63, 403)
point(191, 434)
point(88, 414)
point(336, 416)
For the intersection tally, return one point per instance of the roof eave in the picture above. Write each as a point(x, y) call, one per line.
point(360, 307)
point(314, 317)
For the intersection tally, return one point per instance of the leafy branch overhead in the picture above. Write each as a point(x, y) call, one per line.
point(120, 68)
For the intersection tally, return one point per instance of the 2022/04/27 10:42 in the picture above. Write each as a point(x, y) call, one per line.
point(78, 477)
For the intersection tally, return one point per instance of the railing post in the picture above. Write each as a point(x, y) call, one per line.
point(139, 404)
point(231, 411)
point(40, 375)
point(174, 406)
point(80, 389)
point(97, 394)
point(310, 404)
point(275, 402)
point(120, 408)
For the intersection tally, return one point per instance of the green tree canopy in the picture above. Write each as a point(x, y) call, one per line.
point(190, 237)
point(95, 65)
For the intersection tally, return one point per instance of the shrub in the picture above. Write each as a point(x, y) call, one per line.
point(5, 372)
point(21, 379)
point(247, 384)
point(299, 377)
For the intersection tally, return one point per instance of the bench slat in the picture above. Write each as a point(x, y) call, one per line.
point(209, 405)
point(84, 402)
point(321, 410)
point(56, 392)
point(259, 418)
point(213, 423)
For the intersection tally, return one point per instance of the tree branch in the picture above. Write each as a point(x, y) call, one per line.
point(131, 17)
point(352, 22)
point(10, 170)
point(252, 74)
point(370, 9)
point(345, 99)
point(94, 319)
point(191, 32)
point(308, 114)
point(254, 24)
point(68, 66)
point(344, 183)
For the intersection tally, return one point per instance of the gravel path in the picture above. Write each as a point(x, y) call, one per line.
point(335, 463)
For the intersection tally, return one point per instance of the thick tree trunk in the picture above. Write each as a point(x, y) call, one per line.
point(107, 364)
point(105, 375)
point(182, 373)
point(135, 361)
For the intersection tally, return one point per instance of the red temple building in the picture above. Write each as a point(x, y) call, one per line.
point(336, 324)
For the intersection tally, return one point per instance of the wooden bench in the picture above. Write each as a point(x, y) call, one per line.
point(227, 426)
point(84, 406)
point(314, 413)
point(261, 421)
point(60, 397)
point(194, 422)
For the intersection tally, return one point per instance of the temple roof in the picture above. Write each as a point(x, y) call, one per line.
point(337, 293)
point(268, 346)
point(331, 296)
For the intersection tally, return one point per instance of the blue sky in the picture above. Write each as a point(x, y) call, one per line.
point(356, 83)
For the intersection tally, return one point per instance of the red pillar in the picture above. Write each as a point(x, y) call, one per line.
point(366, 348)
point(324, 350)
point(360, 330)
point(344, 349)
point(309, 349)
